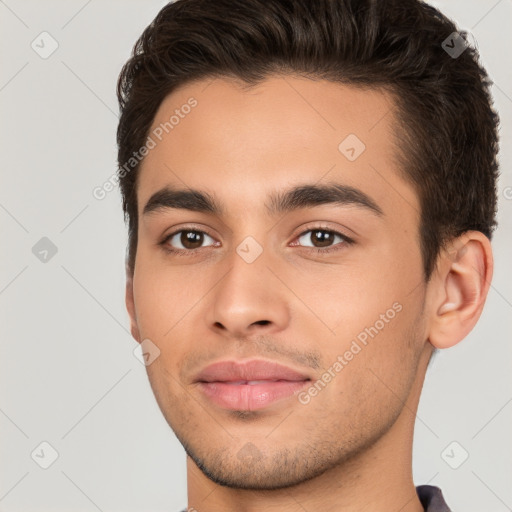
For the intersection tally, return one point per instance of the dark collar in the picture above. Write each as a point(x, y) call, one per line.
point(432, 499)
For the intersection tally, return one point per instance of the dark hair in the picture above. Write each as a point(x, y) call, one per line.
point(445, 125)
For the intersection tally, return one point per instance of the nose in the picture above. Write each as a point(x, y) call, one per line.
point(249, 299)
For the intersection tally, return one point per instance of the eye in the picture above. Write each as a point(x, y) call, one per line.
point(323, 240)
point(186, 240)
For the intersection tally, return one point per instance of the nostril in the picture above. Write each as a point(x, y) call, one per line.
point(262, 322)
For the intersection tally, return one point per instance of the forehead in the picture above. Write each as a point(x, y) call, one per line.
point(240, 143)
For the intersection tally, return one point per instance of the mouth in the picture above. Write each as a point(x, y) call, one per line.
point(251, 385)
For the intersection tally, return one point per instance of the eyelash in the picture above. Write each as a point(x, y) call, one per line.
point(318, 250)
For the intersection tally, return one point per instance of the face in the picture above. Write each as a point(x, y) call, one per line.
point(302, 254)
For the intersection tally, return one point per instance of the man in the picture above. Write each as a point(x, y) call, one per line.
point(310, 192)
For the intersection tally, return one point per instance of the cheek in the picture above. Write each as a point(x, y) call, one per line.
point(346, 300)
point(350, 296)
point(388, 350)
point(163, 297)
point(372, 378)
point(152, 301)
point(376, 328)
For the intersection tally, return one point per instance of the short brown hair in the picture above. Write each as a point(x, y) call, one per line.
point(445, 121)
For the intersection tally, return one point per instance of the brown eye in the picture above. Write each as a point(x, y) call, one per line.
point(320, 238)
point(191, 239)
point(187, 239)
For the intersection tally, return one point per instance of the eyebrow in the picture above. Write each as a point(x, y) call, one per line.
point(301, 196)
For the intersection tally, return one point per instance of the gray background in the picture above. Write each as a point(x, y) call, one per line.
point(68, 375)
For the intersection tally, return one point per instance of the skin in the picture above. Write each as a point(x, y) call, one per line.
point(349, 448)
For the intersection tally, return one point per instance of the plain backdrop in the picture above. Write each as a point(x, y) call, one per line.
point(68, 374)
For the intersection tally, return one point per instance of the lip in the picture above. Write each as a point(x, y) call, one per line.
point(249, 385)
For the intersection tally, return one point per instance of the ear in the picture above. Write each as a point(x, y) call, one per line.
point(130, 305)
point(462, 281)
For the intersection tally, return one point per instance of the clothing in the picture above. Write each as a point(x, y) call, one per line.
point(430, 496)
point(432, 499)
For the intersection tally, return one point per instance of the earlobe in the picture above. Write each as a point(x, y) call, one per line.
point(130, 306)
point(464, 276)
